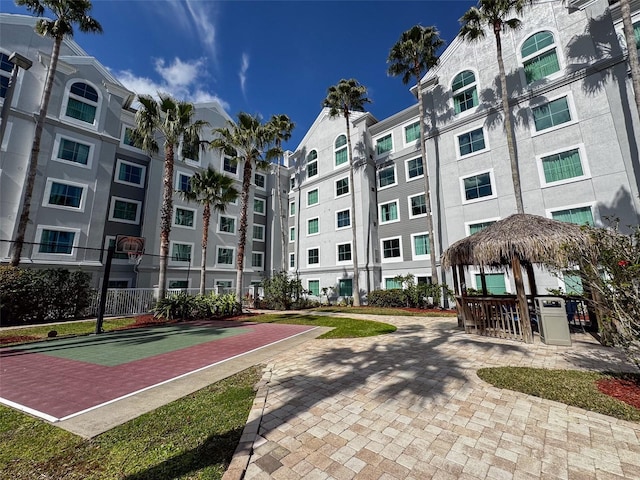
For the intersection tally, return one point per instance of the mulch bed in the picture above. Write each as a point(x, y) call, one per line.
point(18, 338)
point(625, 389)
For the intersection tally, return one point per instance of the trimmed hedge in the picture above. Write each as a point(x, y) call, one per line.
point(30, 296)
point(394, 298)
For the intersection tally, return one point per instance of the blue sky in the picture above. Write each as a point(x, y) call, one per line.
point(264, 57)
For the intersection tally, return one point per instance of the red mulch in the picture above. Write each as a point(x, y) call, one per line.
point(146, 320)
point(626, 390)
point(18, 339)
point(428, 310)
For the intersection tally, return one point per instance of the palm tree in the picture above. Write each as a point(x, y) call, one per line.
point(496, 15)
point(412, 56)
point(282, 126)
point(171, 122)
point(342, 99)
point(211, 189)
point(67, 14)
point(632, 51)
point(246, 142)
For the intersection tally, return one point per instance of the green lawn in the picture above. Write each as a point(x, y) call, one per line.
point(191, 438)
point(342, 327)
point(386, 311)
point(571, 387)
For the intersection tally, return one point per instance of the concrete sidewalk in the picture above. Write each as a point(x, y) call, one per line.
point(409, 405)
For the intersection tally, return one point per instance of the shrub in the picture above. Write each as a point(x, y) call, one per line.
point(281, 291)
point(35, 296)
point(393, 298)
point(182, 306)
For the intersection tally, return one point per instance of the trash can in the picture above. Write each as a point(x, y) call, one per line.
point(552, 321)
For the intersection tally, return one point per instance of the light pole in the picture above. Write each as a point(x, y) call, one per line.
point(19, 61)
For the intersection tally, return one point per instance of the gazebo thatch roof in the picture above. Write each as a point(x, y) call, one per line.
point(530, 238)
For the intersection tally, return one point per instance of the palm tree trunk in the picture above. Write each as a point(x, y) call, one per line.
point(629, 35)
point(427, 186)
point(354, 238)
point(206, 218)
point(165, 218)
point(508, 125)
point(242, 229)
point(35, 152)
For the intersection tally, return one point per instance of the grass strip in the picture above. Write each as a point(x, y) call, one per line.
point(191, 438)
point(342, 327)
point(386, 311)
point(571, 387)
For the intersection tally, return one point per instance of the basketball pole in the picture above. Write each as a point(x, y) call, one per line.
point(105, 287)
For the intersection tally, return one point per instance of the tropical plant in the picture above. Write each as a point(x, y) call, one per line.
point(67, 14)
point(632, 50)
point(171, 122)
point(248, 143)
point(282, 126)
point(281, 291)
point(496, 16)
point(346, 97)
point(212, 190)
point(412, 56)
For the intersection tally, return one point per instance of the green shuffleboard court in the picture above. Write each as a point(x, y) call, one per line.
point(115, 348)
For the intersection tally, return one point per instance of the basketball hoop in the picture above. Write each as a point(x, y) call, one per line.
point(134, 257)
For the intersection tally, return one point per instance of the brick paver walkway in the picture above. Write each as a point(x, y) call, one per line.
point(410, 406)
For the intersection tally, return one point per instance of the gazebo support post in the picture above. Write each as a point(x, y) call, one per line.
point(525, 321)
point(483, 281)
point(533, 288)
point(456, 289)
point(463, 283)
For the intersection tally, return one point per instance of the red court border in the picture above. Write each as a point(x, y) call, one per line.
point(56, 389)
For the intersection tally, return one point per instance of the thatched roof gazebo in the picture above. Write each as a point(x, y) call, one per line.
point(517, 241)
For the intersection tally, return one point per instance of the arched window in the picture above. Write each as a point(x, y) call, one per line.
point(465, 91)
point(312, 163)
point(82, 103)
point(340, 150)
point(539, 56)
point(5, 73)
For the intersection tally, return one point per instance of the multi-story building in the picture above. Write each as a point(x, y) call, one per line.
point(576, 135)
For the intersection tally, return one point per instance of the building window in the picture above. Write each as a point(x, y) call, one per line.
point(130, 173)
point(477, 186)
point(127, 137)
point(64, 195)
point(636, 31)
point(495, 283)
point(312, 164)
point(417, 205)
point(384, 145)
point(183, 182)
point(224, 285)
point(292, 183)
point(344, 252)
point(292, 208)
point(551, 114)
point(342, 186)
point(124, 210)
point(258, 232)
point(562, 166)
point(420, 245)
point(412, 132)
point(184, 217)
point(175, 284)
point(56, 241)
point(82, 102)
point(389, 212)
point(573, 281)
point(292, 234)
point(313, 256)
point(577, 215)
point(181, 252)
point(343, 219)
point(391, 249)
point(225, 256)
point(478, 227)
point(258, 206)
point(539, 56)
point(230, 166)
point(260, 180)
point(292, 260)
point(227, 225)
point(471, 142)
point(72, 151)
point(118, 284)
point(6, 67)
point(340, 150)
point(313, 226)
point(415, 168)
point(387, 176)
point(312, 197)
point(256, 259)
point(314, 287)
point(392, 284)
point(465, 91)
point(345, 287)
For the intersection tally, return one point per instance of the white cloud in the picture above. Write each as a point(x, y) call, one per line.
point(243, 72)
point(197, 17)
point(179, 74)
